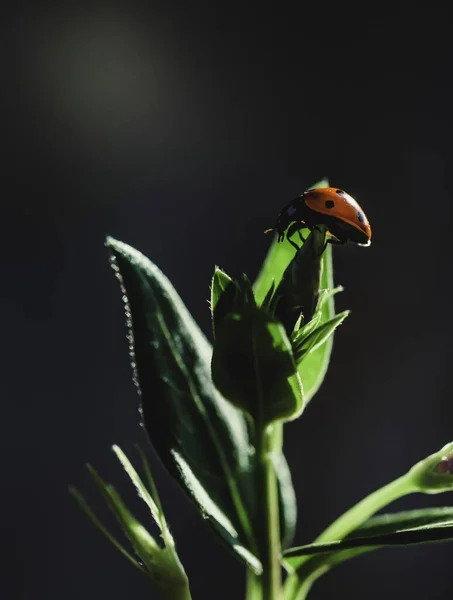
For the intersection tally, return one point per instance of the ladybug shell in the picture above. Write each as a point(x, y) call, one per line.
point(339, 205)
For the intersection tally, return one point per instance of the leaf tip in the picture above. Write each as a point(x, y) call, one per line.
point(110, 242)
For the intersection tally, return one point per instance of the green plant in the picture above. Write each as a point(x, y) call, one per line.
point(215, 417)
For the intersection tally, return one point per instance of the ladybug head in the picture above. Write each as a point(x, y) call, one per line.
point(281, 225)
point(284, 219)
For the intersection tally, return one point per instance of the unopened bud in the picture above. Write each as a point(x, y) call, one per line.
point(434, 474)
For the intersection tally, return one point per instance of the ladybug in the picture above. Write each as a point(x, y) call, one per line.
point(330, 207)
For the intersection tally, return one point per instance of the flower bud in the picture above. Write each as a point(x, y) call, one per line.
point(253, 364)
point(434, 474)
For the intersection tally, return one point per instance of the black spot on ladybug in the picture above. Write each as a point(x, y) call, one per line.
point(340, 192)
point(360, 217)
point(329, 203)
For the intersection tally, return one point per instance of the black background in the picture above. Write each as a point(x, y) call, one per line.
point(182, 130)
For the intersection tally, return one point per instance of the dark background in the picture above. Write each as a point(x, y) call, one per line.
point(182, 131)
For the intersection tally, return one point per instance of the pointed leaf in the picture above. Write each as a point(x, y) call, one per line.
point(318, 337)
point(220, 282)
point(186, 418)
point(288, 500)
point(93, 518)
point(399, 529)
point(162, 564)
point(267, 304)
point(298, 291)
point(305, 330)
point(142, 541)
point(138, 483)
point(313, 368)
point(223, 295)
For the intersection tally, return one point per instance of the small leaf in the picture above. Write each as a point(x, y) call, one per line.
point(313, 368)
point(305, 330)
point(160, 564)
point(90, 514)
point(253, 366)
point(298, 291)
point(303, 347)
point(140, 487)
point(220, 282)
point(223, 294)
point(151, 483)
point(394, 529)
point(143, 543)
point(267, 304)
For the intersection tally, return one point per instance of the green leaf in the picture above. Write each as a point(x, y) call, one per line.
point(223, 294)
point(376, 527)
point(220, 282)
point(139, 485)
point(93, 518)
point(313, 368)
point(253, 366)
point(277, 260)
point(288, 500)
point(268, 301)
point(160, 564)
point(298, 291)
point(202, 440)
point(410, 519)
point(304, 331)
point(142, 541)
point(304, 346)
point(398, 529)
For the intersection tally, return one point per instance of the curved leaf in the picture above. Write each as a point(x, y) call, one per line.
point(297, 294)
point(313, 368)
point(397, 529)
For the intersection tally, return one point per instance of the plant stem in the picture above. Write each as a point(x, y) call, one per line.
point(298, 585)
point(178, 593)
point(253, 586)
point(270, 518)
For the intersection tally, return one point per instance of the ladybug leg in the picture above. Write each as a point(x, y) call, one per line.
point(333, 241)
point(293, 243)
point(291, 230)
point(301, 237)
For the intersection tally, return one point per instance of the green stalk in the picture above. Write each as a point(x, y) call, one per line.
point(298, 585)
point(270, 518)
point(178, 592)
point(253, 589)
